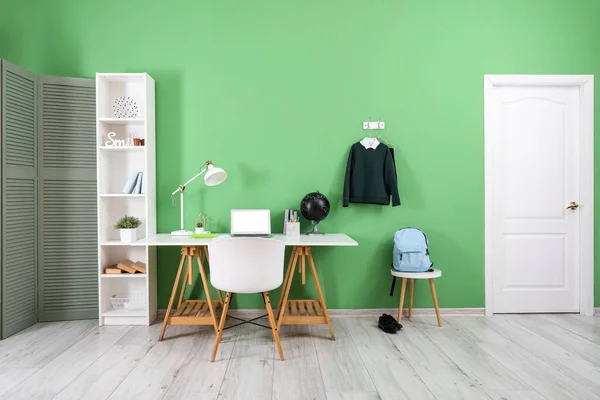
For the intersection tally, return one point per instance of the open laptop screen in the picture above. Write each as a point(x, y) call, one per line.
point(250, 222)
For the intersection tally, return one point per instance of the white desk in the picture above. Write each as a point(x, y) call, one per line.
point(329, 240)
point(289, 312)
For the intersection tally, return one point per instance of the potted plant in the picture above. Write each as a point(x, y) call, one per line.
point(127, 227)
point(201, 223)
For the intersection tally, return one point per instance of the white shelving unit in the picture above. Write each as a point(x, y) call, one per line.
point(115, 165)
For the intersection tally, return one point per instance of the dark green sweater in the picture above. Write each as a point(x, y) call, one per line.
point(370, 176)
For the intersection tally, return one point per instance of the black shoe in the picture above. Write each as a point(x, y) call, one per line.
point(391, 320)
point(386, 325)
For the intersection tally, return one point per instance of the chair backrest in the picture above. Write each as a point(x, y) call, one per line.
point(246, 265)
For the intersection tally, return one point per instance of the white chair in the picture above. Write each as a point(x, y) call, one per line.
point(246, 265)
point(436, 273)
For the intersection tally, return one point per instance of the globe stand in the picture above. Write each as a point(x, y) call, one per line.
point(315, 230)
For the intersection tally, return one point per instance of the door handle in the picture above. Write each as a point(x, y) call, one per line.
point(572, 206)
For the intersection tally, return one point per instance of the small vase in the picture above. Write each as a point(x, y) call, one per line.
point(128, 235)
point(200, 230)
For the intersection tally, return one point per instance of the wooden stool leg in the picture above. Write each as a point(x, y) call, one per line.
point(206, 288)
point(435, 302)
point(286, 292)
point(303, 267)
point(190, 267)
point(221, 326)
point(205, 249)
point(410, 299)
point(173, 293)
point(185, 282)
point(285, 280)
point(311, 261)
point(206, 253)
point(272, 323)
point(402, 292)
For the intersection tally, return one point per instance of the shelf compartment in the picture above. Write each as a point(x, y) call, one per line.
point(124, 288)
point(115, 169)
point(114, 209)
point(110, 88)
point(125, 130)
point(111, 255)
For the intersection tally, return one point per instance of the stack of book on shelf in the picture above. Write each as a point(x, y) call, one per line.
point(126, 266)
point(135, 184)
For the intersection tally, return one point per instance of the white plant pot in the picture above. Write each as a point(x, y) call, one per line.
point(128, 235)
point(200, 230)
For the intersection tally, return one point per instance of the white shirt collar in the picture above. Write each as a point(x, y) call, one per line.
point(369, 143)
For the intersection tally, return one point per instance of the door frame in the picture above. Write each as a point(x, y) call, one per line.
point(586, 178)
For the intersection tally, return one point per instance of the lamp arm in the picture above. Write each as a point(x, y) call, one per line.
point(182, 187)
point(195, 176)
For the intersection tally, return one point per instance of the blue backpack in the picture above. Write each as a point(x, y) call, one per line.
point(411, 251)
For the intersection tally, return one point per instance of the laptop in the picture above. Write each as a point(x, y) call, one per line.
point(251, 223)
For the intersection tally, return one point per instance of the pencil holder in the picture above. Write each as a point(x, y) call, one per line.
point(291, 229)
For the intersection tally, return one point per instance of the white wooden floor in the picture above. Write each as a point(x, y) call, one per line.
point(504, 357)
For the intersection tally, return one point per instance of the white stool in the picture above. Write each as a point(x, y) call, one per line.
point(436, 273)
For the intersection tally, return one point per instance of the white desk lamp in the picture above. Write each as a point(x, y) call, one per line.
point(213, 177)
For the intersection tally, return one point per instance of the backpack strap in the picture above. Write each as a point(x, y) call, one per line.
point(393, 282)
point(426, 241)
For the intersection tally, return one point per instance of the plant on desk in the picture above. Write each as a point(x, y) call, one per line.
point(127, 227)
point(202, 223)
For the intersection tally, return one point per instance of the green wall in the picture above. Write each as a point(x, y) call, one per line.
point(275, 92)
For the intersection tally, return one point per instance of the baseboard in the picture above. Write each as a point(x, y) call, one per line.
point(373, 312)
point(367, 312)
point(418, 312)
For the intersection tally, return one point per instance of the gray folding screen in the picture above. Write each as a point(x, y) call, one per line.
point(19, 205)
point(67, 224)
point(48, 255)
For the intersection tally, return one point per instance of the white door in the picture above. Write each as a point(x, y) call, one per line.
point(533, 158)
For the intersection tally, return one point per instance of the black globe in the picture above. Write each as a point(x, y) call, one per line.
point(314, 207)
